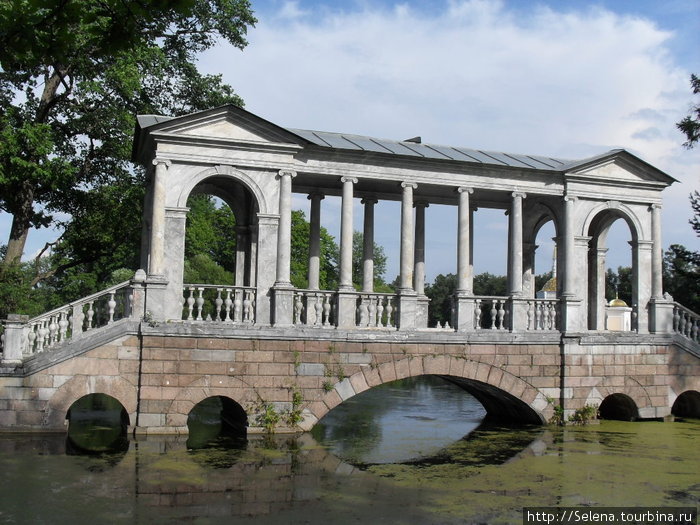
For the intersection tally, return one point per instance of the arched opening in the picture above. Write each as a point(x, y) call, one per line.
point(215, 419)
point(687, 405)
point(219, 267)
point(97, 423)
point(540, 280)
point(619, 407)
point(612, 272)
point(416, 417)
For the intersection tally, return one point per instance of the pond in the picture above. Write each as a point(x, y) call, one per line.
point(391, 469)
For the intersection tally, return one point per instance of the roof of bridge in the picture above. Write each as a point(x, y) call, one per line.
point(407, 148)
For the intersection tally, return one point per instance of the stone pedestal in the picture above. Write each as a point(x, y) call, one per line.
point(13, 346)
point(464, 313)
point(158, 307)
point(571, 315)
point(518, 314)
point(408, 311)
point(283, 306)
point(345, 309)
point(661, 316)
point(422, 311)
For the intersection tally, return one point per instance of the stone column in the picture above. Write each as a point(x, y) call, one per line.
point(346, 296)
point(241, 249)
point(346, 231)
point(515, 244)
point(283, 289)
point(407, 295)
point(570, 303)
point(15, 339)
point(657, 253)
point(464, 304)
point(157, 241)
point(596, 288)
point(419, 266)
point(284, 233)
point(263, 267)
point(368, 246)
point(315, 241)
point(642, 258)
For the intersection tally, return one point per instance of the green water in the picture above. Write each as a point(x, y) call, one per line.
point(488, 477)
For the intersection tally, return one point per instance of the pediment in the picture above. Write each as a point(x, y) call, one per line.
point(226, 123)
point(618, 166)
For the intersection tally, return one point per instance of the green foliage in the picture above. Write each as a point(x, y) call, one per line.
point(211, 231)
point(681, 276)
point(357, 263)
point(619, 284)
point(328, 271)
point(201, 269)
point(558, 415)
point(73, 76)
point(294, 416)
point(488, 284)
point(267, 417)
point(584, 415)
point(690, 125)
point(441, 292)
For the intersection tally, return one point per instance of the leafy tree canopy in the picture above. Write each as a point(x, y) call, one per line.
point(73, 76)
point(690, 125)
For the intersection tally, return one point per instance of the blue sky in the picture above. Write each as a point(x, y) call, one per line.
point(562, 78)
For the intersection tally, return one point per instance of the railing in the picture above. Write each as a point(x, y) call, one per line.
point(491, 312)
point(686, 322)
point(314, 308)
point(376, 310)
point(69, 321)
point(218, 303)
point(542, 314)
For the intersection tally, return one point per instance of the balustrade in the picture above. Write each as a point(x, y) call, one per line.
point(491, 312)
point(376, 310)
point(218, 303)
point(686, 322)
point(542, 314)
point(69, 321)
point(314, 308)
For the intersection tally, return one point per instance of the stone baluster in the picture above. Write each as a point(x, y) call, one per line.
point(298, 308)
point(389, 312)
point(380, 311)
point(327, 309)
point(238, 306)
point(190, 303)
point(501, 315)
point(248, 307)
point(228, 304)
point(477, 314)
point(90, 316)
point(199, 303)
point(676, 318)
point(218, 303)
point(111, 305)
point(363, 311)
point(530, 315)
point(32, 337)
point(63, 326)
point(553, 314)
point(318, 309)
point(494, 313)
point(372, 311)
point(681, 323)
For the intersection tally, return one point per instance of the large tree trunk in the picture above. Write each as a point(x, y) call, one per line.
point(21, 223)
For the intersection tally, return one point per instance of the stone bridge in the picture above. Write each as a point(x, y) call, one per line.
point(161, 346)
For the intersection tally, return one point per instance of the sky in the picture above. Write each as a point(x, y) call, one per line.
point(560, 78)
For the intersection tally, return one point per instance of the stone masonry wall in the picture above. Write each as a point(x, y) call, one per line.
point(177, 372)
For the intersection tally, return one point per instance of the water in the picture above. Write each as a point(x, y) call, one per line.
point(488, 477)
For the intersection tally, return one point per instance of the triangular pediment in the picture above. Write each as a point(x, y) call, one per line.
point(618, 165)
point(223, 123)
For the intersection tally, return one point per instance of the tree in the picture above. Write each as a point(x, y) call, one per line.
point(441, 292)
point(682, 276)
point(73, 76)
point(328, 268)
point(211, 231)
point(358, 263)
point(619, 284)
point(690, 125)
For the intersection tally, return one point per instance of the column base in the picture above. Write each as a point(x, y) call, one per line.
point(346, 309)
point(463, 318)
point(422, 305)
point(571, 315)
point(661, 316)
point(283, 305)
point(408, 310)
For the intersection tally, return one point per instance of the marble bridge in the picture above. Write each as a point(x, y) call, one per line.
point(160, 346)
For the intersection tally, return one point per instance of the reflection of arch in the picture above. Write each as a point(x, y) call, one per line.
point(226, 173)
point(501, 393)
point(82, 385)
point(620, 407)
point(214, 417)
point(202, 388)
point(687, 405)
point(97, 423)
point(596, 228)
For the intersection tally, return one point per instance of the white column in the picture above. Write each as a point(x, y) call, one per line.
point(568, 289)
point(407, 233)
point(515, 244)
point(464, 229)
point(368, 246)
point(346, 230)
point(315, 241)
point(157, 244)
point(419, 253)
point(241, 249)
point(284, 233)
point(657, 253)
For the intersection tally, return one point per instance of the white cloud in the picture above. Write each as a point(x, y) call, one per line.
point(479, 74)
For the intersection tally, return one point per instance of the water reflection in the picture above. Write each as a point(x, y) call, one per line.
point(97, 425)
point(399, 421)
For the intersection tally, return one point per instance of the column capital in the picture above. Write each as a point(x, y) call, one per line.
point(581, 240)
point(570, 198)
point(369, 200)
point(462, 189)
point(642, 244)
point(422, 203)
point(520, 194)
point(412, 185)
point(348, 179)
point(160, 160)
point(316, 194)
point(655, 206)
point(286, 173)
